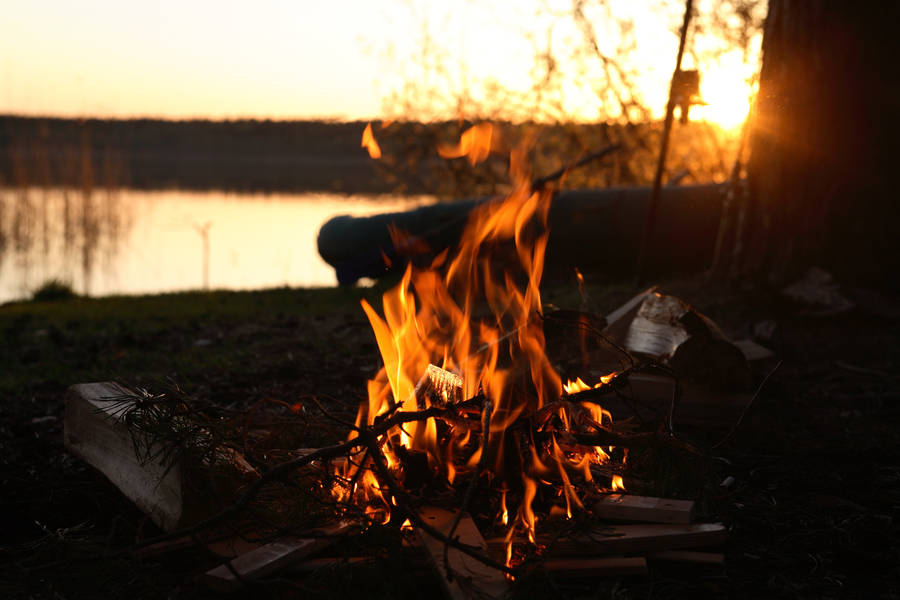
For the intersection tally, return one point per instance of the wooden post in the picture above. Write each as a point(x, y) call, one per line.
point(663, 150)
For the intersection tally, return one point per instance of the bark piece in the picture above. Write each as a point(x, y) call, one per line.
point(171, 496)
point(269, 558)
point(618, 321)
point(628, 507)
point(469, 578)
point(666, 329)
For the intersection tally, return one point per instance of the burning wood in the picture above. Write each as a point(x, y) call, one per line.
point(438, 387)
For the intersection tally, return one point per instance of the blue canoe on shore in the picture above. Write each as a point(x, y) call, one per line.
point(593, 229)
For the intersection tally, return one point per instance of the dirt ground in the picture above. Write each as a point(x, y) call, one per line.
point(812, 511)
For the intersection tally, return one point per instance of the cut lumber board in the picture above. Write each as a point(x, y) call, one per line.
point(471, 579)
point(314, 564)
point(270, 558)
point(171, 496)
point(689, 557)
point(637, 539)
point(596, 567)
point(628, 507)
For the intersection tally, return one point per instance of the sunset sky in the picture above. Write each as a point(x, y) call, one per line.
point(299, 59)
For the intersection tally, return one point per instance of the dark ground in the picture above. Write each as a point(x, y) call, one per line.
point(812, 512)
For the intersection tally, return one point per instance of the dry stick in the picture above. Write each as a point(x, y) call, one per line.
point(541, 182)
point(663, 149)
point(482, 459)
point(405, 502)
point(747, 408)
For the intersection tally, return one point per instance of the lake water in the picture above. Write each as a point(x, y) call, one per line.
point(126, 241)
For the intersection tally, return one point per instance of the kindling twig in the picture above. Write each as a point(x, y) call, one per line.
point(541, 182)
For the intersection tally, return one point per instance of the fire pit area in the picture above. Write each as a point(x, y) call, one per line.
point(497, 438)
point(809, 470)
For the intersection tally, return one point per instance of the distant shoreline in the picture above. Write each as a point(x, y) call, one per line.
point(245, 156)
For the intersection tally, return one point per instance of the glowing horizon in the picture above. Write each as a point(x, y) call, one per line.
point(301, 60)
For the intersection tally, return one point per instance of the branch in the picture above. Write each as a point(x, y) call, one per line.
point(381, 427)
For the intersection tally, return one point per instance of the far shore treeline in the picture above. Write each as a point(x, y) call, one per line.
point(300, 156)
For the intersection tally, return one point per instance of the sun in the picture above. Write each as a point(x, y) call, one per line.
point(727, 95)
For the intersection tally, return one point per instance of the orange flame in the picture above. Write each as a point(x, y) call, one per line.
point(369, 143)
point(482, 324)
point(475, 143)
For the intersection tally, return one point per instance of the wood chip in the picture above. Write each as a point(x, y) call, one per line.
point(752, 351)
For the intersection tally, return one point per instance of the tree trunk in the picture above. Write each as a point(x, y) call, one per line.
point(824, 144)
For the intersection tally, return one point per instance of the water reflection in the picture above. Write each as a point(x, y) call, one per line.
point(122, 241)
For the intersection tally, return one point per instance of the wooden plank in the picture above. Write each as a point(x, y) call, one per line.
point(637, 539)
point(224, 544)
point(269, 558)
point(314, 564)
point(95, 433)
point(628, 507)
point(596, 567)
point(689, 557)
point(471, 578)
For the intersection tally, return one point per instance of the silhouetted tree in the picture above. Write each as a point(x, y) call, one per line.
point(823, 152)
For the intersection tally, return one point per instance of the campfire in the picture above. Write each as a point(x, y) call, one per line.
point(468, 381)
point(488, 403)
